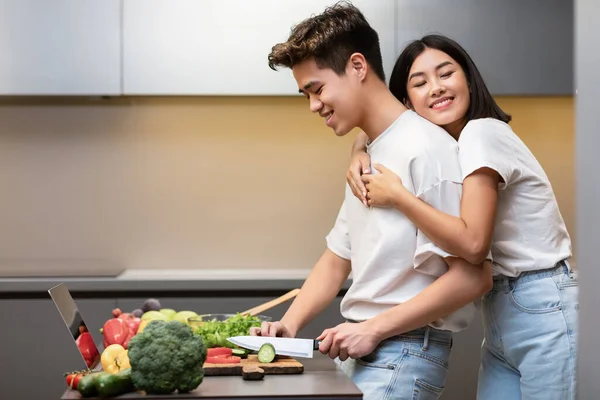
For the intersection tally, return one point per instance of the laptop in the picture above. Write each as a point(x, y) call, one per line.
point(76, 326)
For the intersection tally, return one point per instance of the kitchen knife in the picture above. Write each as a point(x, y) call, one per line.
point(283, 346)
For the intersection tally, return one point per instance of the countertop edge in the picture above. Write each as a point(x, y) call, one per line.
point(103, 287)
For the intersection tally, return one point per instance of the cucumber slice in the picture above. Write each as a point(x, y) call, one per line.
point(266, 353)
point(243, 353)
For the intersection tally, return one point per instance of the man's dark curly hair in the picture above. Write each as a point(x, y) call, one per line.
point(330, 38)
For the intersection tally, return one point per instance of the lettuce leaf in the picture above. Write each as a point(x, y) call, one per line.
point(215, 333)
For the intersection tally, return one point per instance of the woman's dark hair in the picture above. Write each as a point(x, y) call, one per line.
point(482, 104)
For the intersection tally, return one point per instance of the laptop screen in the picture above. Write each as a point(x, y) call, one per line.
point(75, 324)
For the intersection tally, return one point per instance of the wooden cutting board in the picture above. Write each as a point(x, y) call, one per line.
point(281, 365)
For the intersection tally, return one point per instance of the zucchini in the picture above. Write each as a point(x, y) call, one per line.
point(242, 353)
point(266, 353)
point(110, 385)
point(87, 385)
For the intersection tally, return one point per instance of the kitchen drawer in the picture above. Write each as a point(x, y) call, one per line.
point(35, 342)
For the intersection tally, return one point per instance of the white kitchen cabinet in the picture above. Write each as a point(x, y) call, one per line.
point(220, 47)
point(60, 47)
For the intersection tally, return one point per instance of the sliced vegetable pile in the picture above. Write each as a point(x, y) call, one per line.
point(215, 333)
point(225, 355)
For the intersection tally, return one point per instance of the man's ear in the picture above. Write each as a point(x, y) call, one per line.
point(358, 65)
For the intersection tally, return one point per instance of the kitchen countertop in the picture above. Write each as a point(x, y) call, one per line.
point(162, 280)
point(321, 379)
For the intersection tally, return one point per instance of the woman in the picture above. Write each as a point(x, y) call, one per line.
point(508, 207)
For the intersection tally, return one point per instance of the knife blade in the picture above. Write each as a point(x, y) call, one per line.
point(283, 346)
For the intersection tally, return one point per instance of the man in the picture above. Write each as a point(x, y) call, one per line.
point(407, 295)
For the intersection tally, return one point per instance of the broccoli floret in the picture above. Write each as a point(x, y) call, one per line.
point(165, 357)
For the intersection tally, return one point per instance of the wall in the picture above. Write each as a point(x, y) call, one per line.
point(236, 182)
point(588, 196)
point(547, 126)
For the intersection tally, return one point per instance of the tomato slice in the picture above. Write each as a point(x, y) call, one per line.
point(223, 359)
point(218, 351)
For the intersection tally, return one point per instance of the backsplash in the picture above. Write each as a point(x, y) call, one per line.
point(199, 182)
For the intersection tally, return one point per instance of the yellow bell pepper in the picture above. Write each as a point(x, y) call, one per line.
point(114, 359)
point(143, 325)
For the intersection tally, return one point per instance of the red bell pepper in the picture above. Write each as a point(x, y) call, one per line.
point(132, 320)
point(117, 313)
point(86, 346)
point(116, 331)
point(120, 329)
point(134, 324)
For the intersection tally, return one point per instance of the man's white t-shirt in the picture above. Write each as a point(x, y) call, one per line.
point(529, 232)
point(392, 261)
